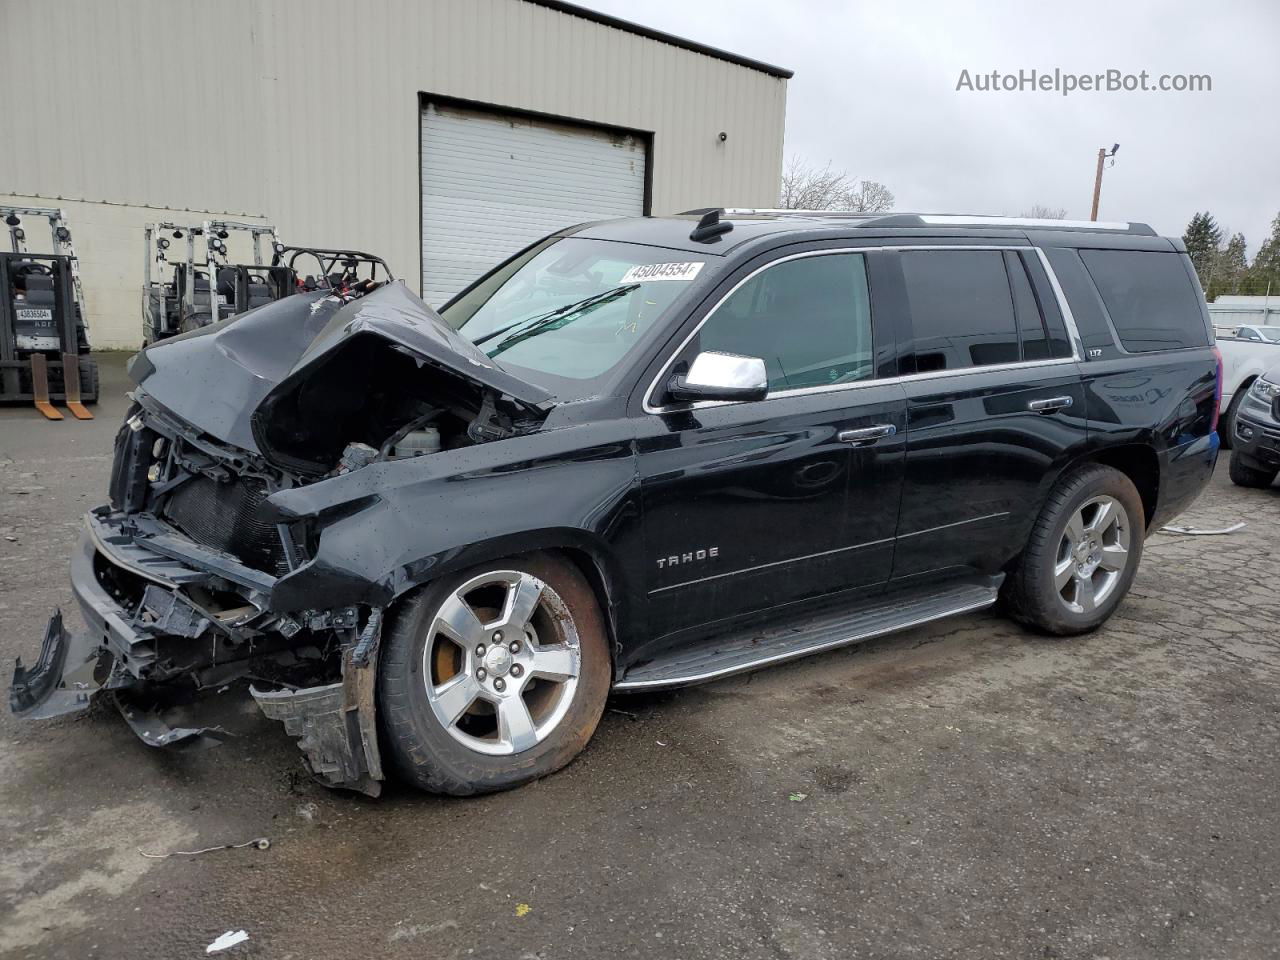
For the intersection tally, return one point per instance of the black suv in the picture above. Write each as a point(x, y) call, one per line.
point(638, 454)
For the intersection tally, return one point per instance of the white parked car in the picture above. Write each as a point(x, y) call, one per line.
point(1245, 357)
point(1250, 332)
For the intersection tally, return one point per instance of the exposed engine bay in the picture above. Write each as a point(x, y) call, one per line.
point(192, 577)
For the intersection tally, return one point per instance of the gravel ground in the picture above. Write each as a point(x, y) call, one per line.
point(961, 790)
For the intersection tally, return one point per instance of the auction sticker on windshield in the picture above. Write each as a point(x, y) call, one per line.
point(662, 271)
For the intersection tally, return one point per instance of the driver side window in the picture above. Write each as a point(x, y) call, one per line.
point(809, 319)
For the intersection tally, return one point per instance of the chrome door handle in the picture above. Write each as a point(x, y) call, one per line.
point(1048, 406)
point(866, 436)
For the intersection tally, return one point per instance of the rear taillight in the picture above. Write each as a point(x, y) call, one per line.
point(1217, 390)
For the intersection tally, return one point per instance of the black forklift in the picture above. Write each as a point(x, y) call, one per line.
point(44, 344)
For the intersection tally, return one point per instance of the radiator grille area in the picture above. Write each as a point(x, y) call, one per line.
point(227, 517)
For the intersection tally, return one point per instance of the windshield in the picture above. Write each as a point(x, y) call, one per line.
point(568, 311)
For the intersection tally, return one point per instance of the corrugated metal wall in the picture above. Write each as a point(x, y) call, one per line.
point(307, 111)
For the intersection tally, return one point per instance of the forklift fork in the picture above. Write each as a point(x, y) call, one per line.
point(40, 386)
point(71, 386)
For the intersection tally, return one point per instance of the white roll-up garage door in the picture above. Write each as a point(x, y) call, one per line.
point(492, 184)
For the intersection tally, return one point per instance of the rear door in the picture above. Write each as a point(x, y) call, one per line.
point(750, 506)
point(994, 406)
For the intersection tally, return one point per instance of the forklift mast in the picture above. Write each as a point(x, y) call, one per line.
point(216, 233)
point(171, 303)
point(59, 240)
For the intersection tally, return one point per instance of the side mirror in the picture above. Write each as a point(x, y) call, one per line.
point(721, 376)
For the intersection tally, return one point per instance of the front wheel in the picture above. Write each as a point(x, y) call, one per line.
point(494, 677)
point(1244, 474)
point(1082, 554)
point(1227, 422)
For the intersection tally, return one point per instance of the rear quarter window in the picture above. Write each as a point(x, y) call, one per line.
point(1150, 297)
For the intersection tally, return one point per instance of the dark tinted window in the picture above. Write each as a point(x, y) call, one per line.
point(1035, 338)
point(961, 308)
point(1059, 344)
point(1086, 305)
point(1150, 298)
point(808, 319)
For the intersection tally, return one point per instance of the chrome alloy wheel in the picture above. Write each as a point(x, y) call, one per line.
point(1092, 554)
point(501, 662)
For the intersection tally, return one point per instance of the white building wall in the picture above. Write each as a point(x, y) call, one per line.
point(306, 112)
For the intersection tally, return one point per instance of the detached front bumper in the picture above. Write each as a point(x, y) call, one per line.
point(71, 668)
point(128, 636)
point(132, 631)
point(64, 678)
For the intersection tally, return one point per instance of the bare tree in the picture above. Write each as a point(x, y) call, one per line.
point(1041, 212)
point(871, 196)
point(808, 188)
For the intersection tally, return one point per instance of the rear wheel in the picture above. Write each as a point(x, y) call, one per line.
point(1082, 554)
point(494, 677)
point(1244, 474)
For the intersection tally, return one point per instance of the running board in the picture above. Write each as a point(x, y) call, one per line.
point(776, 642)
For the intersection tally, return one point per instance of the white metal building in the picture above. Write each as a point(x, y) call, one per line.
point(1235, 311)
point(442, 134)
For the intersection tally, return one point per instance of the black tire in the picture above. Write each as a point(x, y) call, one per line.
point(1029, 592)
point(1227, 422)
point(423, 752)
point(88, 380)
point(1244, 474)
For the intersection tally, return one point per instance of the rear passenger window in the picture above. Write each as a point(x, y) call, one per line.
point(961, 309)
point(809, 319)
point(1150, 297)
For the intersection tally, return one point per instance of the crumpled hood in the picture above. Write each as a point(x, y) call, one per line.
point(216, 377)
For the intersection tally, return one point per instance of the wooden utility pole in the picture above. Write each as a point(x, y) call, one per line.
point(1097, 177)
point(1097, 183)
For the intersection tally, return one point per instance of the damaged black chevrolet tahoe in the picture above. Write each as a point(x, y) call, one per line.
point(638, 454)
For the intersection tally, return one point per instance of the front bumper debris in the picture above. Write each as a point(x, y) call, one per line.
point(152, 729)
point(64, 678)
point(158, 648)
point(335, 724)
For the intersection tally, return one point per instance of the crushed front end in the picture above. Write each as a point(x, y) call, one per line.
point(192, 579)
point(174, 579)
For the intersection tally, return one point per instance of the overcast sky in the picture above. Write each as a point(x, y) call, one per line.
point(875, 93)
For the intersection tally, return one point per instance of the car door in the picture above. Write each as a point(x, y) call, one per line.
point(747, 506)
point(995, 405)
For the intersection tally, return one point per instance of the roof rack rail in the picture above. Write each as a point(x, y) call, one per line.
point(789, 212)
point(1040, 223)
point(901, 219)
point(892, 219)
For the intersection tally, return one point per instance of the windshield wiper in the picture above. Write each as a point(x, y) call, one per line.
point(591, 301)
